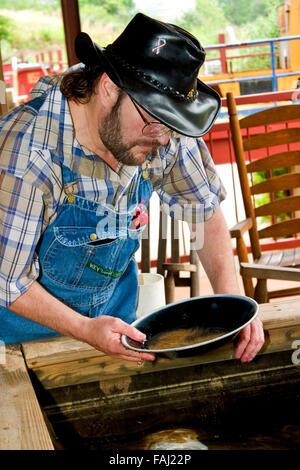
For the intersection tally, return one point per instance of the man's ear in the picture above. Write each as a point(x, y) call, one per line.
point(107, 90)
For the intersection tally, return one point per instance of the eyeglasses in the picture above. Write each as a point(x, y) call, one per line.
point(151, 128)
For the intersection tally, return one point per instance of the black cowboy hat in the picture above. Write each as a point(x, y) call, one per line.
point(157, 64)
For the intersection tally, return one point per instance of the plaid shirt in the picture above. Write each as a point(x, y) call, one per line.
point(33, 147)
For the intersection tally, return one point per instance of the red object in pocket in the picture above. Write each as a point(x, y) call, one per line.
point(140, 217)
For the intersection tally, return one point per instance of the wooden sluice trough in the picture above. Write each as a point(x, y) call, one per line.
point(63, 394)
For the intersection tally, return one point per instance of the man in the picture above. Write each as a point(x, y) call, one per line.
point(79, 163)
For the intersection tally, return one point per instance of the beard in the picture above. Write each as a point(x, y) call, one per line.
point(111, 135)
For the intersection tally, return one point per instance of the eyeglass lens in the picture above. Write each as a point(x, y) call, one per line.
point(151, 128)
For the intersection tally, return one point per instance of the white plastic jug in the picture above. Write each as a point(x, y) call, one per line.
point(151, 293)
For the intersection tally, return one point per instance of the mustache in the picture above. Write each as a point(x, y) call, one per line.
point(146, 143)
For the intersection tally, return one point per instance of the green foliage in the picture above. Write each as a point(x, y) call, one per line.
point(38, 24)
point(263, 199)
point(117, 13)
point(42, 5)
point(264, 26)
point(205, 22)
point(255, 19)
point(243, 11)
point(6, 27)
point(258, 17)
point(105, 19)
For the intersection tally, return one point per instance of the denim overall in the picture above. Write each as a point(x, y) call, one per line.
point(86, 260)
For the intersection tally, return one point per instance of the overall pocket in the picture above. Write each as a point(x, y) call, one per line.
point(75, 259)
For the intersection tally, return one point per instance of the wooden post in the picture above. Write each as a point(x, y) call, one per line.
point(71, 18)
point(195, 276)
point(260, 291)
point(3, 102)
point(162, 242)
point(145, 248)
point(243, 257)
point(223, 54)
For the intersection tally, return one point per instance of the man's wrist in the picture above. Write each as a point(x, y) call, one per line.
point(79, 329)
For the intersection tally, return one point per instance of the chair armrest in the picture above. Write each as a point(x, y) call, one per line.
point(262, 271)
point(240, 228)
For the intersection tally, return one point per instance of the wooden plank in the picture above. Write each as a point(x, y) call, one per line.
point(22, 426)
point(288, 257)
point(271, 115)
point(284, 292)
point(279, 160)
point(286, 204)
point(55, 365)
point(283, 313)
point(291, 257)
point(288, 227)
point(265, 258)
point(55, 350)
point(99, 368)
point(282, 182)
point(281, 137)
point(59, 349)
point(276, 258)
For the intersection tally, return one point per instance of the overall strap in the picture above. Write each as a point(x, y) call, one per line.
point(68, 175)
point(70, 178)
point(36, 103)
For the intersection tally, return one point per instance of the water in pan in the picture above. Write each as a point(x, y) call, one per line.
point(183, 337)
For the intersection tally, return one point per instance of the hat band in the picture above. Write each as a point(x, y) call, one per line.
point(190, 97)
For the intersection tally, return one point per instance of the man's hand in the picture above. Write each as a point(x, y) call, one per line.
point(251, 340)
point(104, 333)
point(217, 259)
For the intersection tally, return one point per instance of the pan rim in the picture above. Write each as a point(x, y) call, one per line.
point(196, 345)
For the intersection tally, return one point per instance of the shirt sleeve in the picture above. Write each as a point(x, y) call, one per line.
point(191, 189)
point(21, 218)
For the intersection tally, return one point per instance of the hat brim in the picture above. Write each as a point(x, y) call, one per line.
point(193, 118)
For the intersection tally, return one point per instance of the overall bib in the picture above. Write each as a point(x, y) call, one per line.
point(86, 260)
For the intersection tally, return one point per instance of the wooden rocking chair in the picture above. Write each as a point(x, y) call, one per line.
point(266, 142)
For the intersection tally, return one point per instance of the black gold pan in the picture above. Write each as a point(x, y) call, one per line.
point(193, 326)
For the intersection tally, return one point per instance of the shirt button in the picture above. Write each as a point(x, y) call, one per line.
point(93, 236)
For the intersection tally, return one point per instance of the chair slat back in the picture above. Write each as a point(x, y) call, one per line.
point(272, 115)
point(274, 161)
point(267, 150)
point(271, 139)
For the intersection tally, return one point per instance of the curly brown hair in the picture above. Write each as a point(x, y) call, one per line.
point(80, 85)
